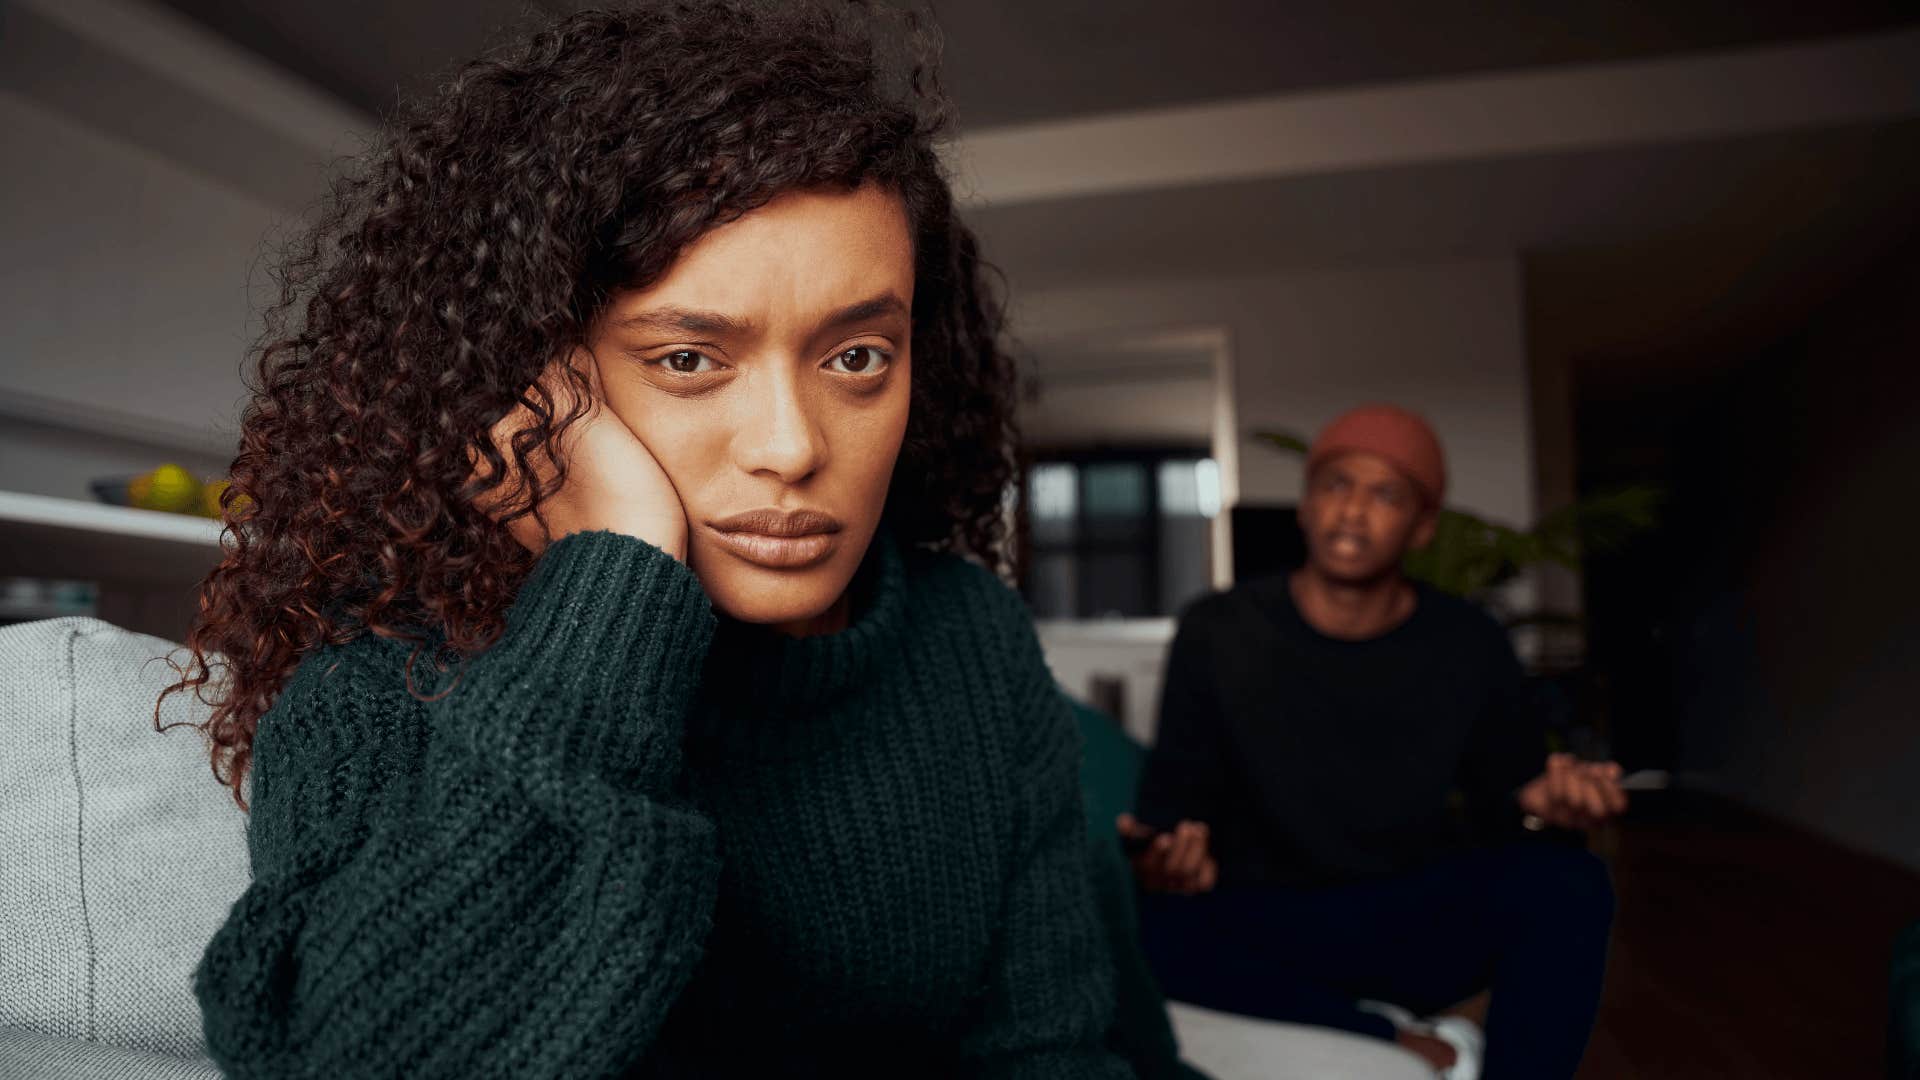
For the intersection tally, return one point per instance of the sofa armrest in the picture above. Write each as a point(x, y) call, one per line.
point(30, 1055)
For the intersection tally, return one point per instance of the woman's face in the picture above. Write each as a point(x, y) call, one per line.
point(767, 372)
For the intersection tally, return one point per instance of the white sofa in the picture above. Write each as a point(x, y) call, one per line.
point(120, 856)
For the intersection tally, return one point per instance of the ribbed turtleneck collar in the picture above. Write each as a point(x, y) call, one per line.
point(774, 672)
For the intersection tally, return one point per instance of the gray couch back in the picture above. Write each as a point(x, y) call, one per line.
point(120, 854)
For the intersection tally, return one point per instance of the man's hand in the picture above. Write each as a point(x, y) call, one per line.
point(1574, 794)
point(1174, 861)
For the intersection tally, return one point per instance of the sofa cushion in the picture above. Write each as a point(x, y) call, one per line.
point(120, 854)
point(29, 1055)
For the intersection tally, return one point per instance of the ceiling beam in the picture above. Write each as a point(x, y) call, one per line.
point(1553, 110)
point(164, 43)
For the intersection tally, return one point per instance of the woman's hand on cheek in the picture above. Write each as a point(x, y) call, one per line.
point(613, 481)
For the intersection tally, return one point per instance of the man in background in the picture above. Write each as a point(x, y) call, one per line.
point(1328, 824)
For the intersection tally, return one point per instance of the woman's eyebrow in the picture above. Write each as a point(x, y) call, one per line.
point(679, 320)
point(887, 303)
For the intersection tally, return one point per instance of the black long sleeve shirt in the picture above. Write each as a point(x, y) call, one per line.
point(1315, 760)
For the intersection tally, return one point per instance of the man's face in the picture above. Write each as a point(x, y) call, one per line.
point(1361, 516)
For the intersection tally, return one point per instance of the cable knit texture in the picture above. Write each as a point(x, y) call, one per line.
point(631, 840)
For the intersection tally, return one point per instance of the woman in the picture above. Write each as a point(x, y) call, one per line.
point(647, 388)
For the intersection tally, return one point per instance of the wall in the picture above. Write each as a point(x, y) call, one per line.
point(1807, 665)
point(124, 295)
point(150, 168)
point(1444, 338)
point(39, 458)
point(1090, 412)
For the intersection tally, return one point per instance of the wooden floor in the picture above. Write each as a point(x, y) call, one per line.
point(1744, 948)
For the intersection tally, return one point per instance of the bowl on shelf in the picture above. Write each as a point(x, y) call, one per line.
point(169, 488)
point(112, 490)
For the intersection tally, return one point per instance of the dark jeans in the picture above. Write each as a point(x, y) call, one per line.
point(1530, 921)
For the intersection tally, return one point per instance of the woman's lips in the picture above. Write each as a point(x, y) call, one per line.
point(777, 552)
point(778, 539)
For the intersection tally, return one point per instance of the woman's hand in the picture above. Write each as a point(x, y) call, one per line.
point(613, 481)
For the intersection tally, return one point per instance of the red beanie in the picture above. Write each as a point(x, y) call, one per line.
point(1403, 438)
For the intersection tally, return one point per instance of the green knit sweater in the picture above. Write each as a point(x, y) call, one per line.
point(631, 840)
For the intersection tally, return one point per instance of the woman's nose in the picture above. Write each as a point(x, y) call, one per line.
point(779, 437)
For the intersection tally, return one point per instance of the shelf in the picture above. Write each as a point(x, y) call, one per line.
point(1132, 631)
point(43, 536)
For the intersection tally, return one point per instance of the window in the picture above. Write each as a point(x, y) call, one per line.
point(1118, 533)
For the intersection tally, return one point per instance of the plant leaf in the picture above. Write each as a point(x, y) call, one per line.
point(1285, 440)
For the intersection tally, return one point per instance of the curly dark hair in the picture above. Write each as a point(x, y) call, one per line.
point(482, 237)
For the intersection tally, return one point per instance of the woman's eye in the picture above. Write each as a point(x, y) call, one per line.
point(860, 360)
point(687, 362)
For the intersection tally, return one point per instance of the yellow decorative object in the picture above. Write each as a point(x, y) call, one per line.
point(168, 487)
point(210, 498)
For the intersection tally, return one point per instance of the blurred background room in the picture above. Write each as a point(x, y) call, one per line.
point(1651, 270)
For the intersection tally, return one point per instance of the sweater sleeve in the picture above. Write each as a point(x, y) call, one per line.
point(529, 898)
point(1050, 992)
point(1507, 746)
point(1185, 769)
